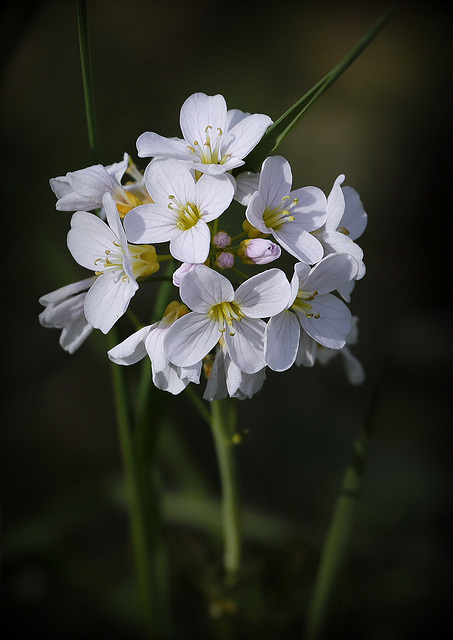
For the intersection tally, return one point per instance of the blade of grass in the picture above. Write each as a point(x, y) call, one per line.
point(339, 534)
point(286, 122)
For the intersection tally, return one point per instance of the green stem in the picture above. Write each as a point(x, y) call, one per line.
point(223, 427)
point(139, 440)
point(338, 537)
point(143, 509)
point(85, 59)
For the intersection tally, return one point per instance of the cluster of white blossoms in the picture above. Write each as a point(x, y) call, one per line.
point(226, 326)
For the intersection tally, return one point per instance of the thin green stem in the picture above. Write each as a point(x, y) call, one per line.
point(223, 421)
point(85, 59)
point(138, 438)
point(338, 537)
point(139, 502)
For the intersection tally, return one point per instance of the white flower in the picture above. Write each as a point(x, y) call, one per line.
point(149, 341)
point(182, 208)
point(346, 220)
point(289, 215)
point(215, 140)
point(226, 379)
point(83, 189)
point(312, 308)
point(220, 312)
point(64, 310)
point(103, 248)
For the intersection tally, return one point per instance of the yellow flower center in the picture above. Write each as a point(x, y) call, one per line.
point(276, 218)
point(302, 303)
point(225, 313)
point(209, 151)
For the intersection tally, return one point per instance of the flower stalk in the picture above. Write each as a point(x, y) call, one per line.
point(223, 421)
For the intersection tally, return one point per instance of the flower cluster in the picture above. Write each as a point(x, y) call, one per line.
point(226, 325)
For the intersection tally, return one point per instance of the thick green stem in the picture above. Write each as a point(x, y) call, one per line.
point(223, 428)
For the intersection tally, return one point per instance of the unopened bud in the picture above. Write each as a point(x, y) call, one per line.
point(258, 251)
point(221, 240)
point(224, 260)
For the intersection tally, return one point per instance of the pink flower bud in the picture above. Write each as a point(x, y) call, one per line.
point(221, 240)
point(224, 260)
point(258, 251)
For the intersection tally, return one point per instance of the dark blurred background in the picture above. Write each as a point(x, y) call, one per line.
point(386, 124)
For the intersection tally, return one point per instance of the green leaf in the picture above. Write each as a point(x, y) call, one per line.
point(281, 127)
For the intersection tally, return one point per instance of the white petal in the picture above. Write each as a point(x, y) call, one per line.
point(169, 380)
point(213, 195)
point(263, 295)
point(333, 325)
point(200, 111)
point(299, 243)
point(246, 346)
point(275, 181)
point(191, 245)
point(164, 178)
point(245, 135)
point(150, 223)
point(355, 218)
point(190, 339)
point(66, 292)
point(251, 383)
point(113, 219)
point(154, 344)
point(246, 185)
point(73, 335)
point(282, 341)
point(108, 299)
point(335, 204)
point(308, 348)
point(254, 212)
point(203, 287)
point(89, 238)
point(216, 388)
point(131, 350)
point(355, 372)
point(92, 183)
point(153, 145)
point(331, 272)
point(311, 209)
